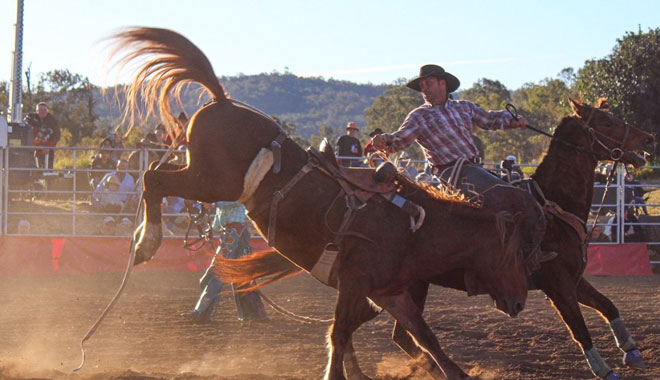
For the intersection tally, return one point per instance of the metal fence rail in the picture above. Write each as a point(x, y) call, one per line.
point(60, 198)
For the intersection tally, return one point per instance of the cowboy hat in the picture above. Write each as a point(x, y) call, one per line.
point(434, 71)
point(375, 132)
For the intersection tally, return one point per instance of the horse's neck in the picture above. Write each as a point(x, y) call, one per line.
point(566, 177)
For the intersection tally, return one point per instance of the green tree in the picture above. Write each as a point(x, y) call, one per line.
point(493, 95)
point(390, 109)
point(70, 98)
point(629, 77)
point(543, 105)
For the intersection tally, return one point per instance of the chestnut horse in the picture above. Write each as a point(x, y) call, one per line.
point(228, 148)
point(566, 178)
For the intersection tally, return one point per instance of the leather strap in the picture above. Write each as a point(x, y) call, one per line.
point(279, 195)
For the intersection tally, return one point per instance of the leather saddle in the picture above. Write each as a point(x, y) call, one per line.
point(378, 181)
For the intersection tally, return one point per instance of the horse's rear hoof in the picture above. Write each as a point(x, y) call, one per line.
point(634, 359)
point(150, 237)
point(612, 376)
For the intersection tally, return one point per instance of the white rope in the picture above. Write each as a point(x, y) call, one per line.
point(129, 270)
point(291, 315)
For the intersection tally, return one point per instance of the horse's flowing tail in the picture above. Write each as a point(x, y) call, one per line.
point(264, 264)
point(172, 62)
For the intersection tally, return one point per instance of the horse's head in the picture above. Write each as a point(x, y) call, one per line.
point(506, 285)
point(502, 271)
point(610, 137)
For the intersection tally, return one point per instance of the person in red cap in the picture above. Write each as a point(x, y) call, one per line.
point(348, 145)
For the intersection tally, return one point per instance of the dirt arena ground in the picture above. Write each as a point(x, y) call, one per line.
point(43, 319)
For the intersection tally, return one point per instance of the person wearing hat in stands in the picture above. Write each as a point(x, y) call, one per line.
point(117, 143)
point(443, 128)
point(369, 147)
point(146, 144)
point(510, 170)
point(106, 197)
point(348, 145)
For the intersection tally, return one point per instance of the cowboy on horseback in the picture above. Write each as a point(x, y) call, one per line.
point(443, 128)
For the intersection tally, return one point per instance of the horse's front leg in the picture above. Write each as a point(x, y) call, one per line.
point(156, 185)
point(591, 297)
point(401, 337)
point(350, 313)
point(405, 311)
point(365, 311)
point(564, 298)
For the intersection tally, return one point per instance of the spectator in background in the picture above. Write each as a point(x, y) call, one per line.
point(101, 164)
point(597, 235)
point(108, 227)
point(511, 171)
point(637, 192)
point(369, 147)
point(127, 183)
point(147, 143)
point(405, 166)
point(173, 205)
point(117, 143)
point(106, 196)
point(348, 145)
point(46, 134)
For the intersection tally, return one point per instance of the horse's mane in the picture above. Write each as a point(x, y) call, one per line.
point(172, 62)
point(413, 188)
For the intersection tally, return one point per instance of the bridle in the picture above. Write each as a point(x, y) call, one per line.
point(616, 153)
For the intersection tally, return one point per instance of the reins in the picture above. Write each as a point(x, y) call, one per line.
point(127, 273)
point(616, 154)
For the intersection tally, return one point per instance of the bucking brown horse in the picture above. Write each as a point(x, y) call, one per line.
point(236, 153)
point(564, 185)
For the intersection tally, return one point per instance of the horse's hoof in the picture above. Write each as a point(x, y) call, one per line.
point(612, 376)
point(634, 359)
point(149, 238)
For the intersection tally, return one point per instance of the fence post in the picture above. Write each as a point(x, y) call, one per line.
point(620, 203)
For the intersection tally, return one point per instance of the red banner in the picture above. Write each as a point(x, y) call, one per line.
point(21, 255)
point(618, 260)
point(44, 255)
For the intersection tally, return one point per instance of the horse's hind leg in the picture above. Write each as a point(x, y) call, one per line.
point(158, 184)
point(591, 297)
point(564, 299)
point(405, 311)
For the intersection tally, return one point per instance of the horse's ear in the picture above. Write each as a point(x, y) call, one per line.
point(603, 104)
point(578, 107)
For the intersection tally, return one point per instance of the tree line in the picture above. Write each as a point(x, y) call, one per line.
point(313, 108)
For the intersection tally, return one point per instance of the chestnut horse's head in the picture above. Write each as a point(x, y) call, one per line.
point(502, 271)
point(612, 138)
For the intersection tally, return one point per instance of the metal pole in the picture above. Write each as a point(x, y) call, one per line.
point(620, 201)
point(16, 84)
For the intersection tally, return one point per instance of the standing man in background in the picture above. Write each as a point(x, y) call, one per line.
point(46, 133)
point(348, 145)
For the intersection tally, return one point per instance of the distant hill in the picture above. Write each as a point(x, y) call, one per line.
point(308, 103)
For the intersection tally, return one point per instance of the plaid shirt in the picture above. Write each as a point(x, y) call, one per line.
point(445, 131)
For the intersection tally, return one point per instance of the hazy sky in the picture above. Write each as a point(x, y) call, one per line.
point(360, 41)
